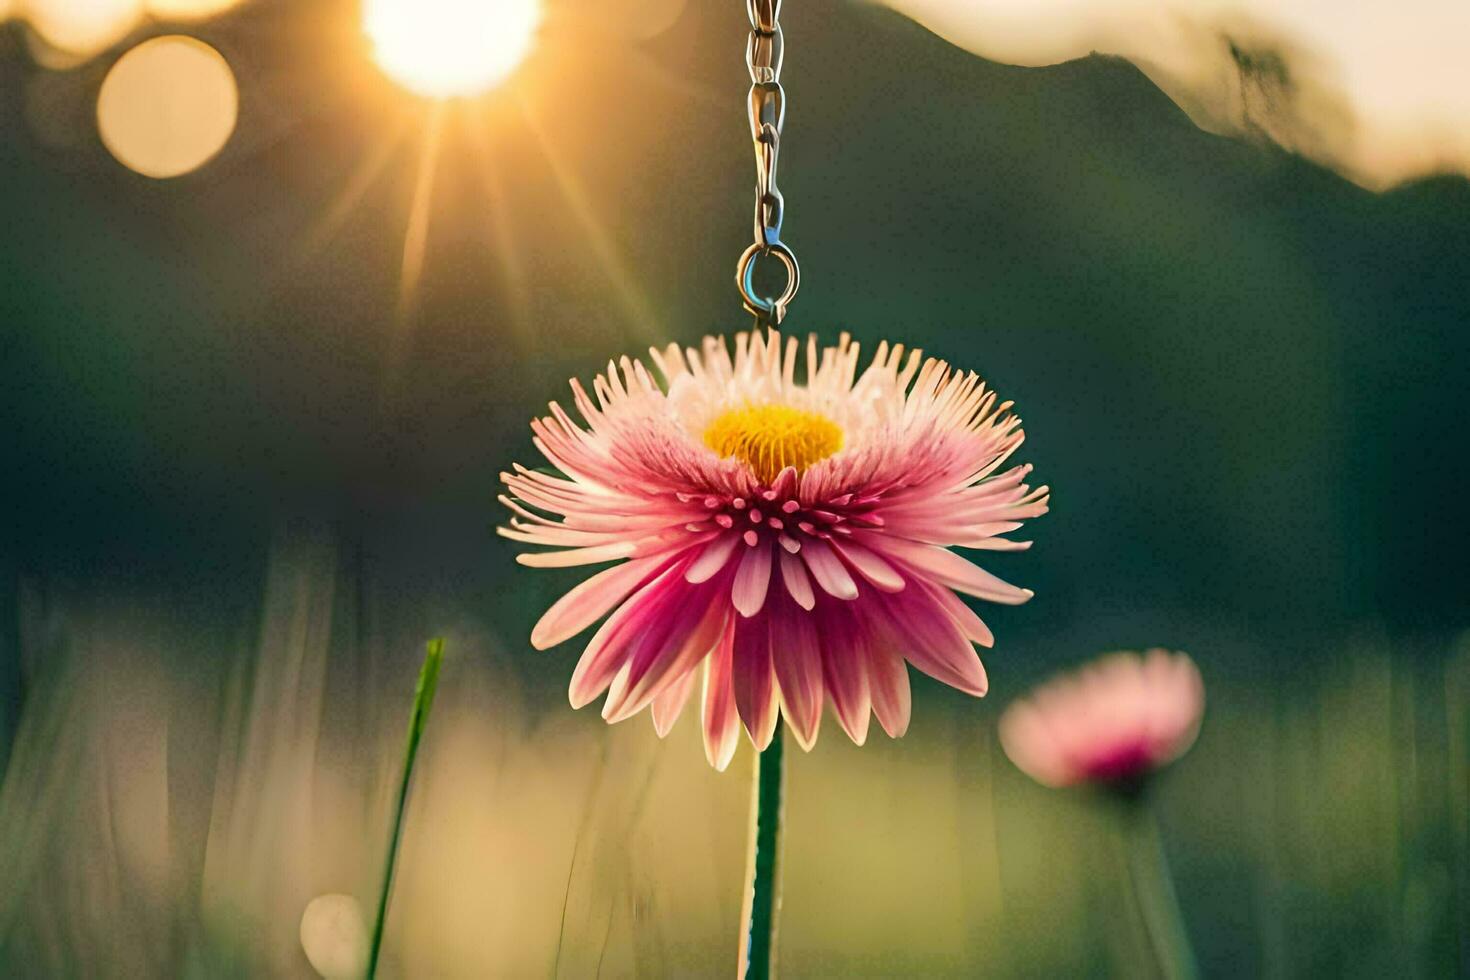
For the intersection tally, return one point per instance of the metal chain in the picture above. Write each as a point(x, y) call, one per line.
point(767, 108)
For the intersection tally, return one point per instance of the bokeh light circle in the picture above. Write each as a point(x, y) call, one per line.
point(167, 106)
point(447, 48)
point(334, 937)
point(82, 27)
point(188, 9)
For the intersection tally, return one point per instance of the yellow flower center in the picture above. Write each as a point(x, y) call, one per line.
point(769, 438)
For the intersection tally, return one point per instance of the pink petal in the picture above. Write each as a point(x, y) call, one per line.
point(965, 618)
point(828, 570)
point(666, 651)
point(752, 580)
point(670, 701)
point(712, 559)
point(590, 601)
point(797, 656)
point(948, 568)
point(754, 681)
point(870, 566)
point(718, 715)
point(888, 681)
point(932, 641)
point(785, 484)
point(797, 582)
point(998, 544)
point(1029, 740)
point(845, 675)
point(603, 656)
point(577, 556)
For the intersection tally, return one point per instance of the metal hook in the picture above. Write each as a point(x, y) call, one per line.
point(761, 307)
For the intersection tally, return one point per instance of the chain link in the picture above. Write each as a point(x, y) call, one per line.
point(764, 52)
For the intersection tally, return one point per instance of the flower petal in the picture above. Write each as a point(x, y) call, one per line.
point(948, 568)
point(718, 715)
point(666, 649)
point(870, 565)
point(577, 556)
point(965, 618)
point(828, 570)
point(1032, 745)
point(591, 600)
point(752, 579)
point(845, 676)
point(932, 641)
point(713, 558)
point(796, 655)
point(888, 682)
point(754, 680)
point(798, 583)
point(670, 701)
point(603, 656)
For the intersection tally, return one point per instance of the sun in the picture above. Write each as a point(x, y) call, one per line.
point(448, 48)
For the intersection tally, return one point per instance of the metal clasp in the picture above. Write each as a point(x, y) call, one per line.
point(761, 307)
point(766, 108)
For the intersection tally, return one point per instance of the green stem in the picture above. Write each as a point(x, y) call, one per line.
point(1153, 890)
point(423, 699)
point(763, 889)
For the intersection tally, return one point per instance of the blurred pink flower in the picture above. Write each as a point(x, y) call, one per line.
point(1114, 721)
point(787, 541)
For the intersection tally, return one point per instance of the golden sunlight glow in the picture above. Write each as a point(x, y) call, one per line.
point(188, 9)
point(446, 48)
point(48, 56)
point(769, 438)
point(640, 19)
point(82, 27)
point(416, 236)
point(167, 106)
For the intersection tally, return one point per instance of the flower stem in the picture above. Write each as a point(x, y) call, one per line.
point(1153, 890)
point(762, 904)
point(423, 699)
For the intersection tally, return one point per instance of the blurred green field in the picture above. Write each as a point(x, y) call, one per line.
point(168, 813)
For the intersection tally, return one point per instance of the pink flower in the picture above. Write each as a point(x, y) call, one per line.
point(785, 541)
point(1114, 721)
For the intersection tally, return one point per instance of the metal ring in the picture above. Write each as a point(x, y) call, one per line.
point(774, 309)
